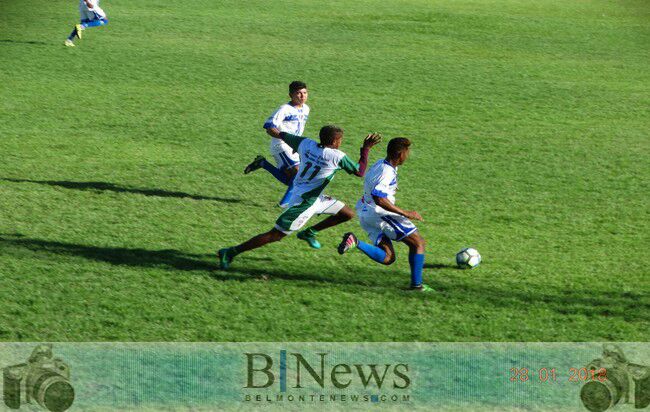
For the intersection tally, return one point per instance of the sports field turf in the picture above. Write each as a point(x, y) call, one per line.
point(121, 169)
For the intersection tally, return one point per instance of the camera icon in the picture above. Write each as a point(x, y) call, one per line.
point(43, 379)
point(624, 382)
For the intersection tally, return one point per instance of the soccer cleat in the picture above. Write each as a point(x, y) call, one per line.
point(309, 238)
point(224, 258)
point(349, 242)
point(422, 288)
point(255, 164)
point(68, 43)
point(79, 28)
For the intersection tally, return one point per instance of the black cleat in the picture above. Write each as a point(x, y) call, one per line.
point(255, 164)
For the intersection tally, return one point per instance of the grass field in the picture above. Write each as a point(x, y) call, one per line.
point(121, 169)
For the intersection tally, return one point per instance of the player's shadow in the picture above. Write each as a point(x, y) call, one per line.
point(111, 187)
point(40, 43)
point(169, 259)
point(631, 306)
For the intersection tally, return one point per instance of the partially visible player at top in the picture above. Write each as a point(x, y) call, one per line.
point(320, 161)
point(91, 16)
point(383, 220)
point(289, 118)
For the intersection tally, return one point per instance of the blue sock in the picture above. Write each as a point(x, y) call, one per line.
point(95, 23)
point(417, 264)
point(277, 173)
point(287, 194)
point(73, 34)
point(375, 253)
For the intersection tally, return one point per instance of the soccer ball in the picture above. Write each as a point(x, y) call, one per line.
point(468, 258)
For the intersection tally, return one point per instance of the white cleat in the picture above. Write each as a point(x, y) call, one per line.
point(69, 43)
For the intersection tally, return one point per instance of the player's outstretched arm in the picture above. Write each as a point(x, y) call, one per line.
point(385, 204)
point(371, 140)
point(273, 132)
point(292, 140)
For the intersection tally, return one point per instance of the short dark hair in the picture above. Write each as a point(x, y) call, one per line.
point(328, 134)
point(396, 146)
point(296, 85)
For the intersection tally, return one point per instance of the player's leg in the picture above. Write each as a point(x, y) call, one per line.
point(75, 34)
point(94, 23)
point(260, 162)
point(285, 159)
point(416, 245)
point(226, 255)
point(338, 211)
point(77, 31)
point(381, 252)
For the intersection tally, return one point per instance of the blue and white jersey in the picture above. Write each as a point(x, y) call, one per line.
point(380, 181)
point(91, 13)
point(289, 119)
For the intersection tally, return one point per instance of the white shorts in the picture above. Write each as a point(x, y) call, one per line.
point(283, 154)
point(90, 15)
point(391, 225)
point(295, 217)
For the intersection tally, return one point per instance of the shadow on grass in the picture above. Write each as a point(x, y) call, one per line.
point(169, 259)
point(111, 187)
point(631, 306)
point(41, 43)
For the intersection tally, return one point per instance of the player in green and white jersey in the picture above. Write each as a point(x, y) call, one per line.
point(319, 163)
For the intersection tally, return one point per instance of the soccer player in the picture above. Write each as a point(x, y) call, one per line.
point(289, 118)
point(91, 16)
point(383, 220)
point(319, 164)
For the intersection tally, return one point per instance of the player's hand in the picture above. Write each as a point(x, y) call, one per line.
point(413, 215)
point(371, 140)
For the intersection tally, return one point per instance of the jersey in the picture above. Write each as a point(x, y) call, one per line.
point(91, 13)
point(289, 119)
point(317, 168)
point(380, 181)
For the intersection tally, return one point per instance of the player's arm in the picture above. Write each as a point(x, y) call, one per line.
point(359, 169)
point(385, 204)
point(89, 4)
point(273, 132)
point(291, 139)
point(272, 124)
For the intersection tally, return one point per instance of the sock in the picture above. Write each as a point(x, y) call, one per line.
point(373, 252)
point(232, 251)
point(73, 34)
point(277, 173)
point(417, 264)
point(287, 194)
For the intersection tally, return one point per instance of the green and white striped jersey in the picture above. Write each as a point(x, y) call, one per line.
point(318, 165)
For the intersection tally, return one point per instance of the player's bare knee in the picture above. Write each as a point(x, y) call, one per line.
point(346, 214)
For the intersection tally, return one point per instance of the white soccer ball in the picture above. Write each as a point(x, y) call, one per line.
point(468, 258)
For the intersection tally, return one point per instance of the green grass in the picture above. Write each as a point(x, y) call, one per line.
point(122, 158)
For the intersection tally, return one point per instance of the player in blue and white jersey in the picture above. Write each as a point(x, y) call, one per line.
point(383, 220)
point(321, 161)
point(91, 16)
point(290, 118)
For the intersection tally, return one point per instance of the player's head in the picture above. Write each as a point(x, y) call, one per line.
point(398, 150)
point(331, 136)
point(298, 92)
